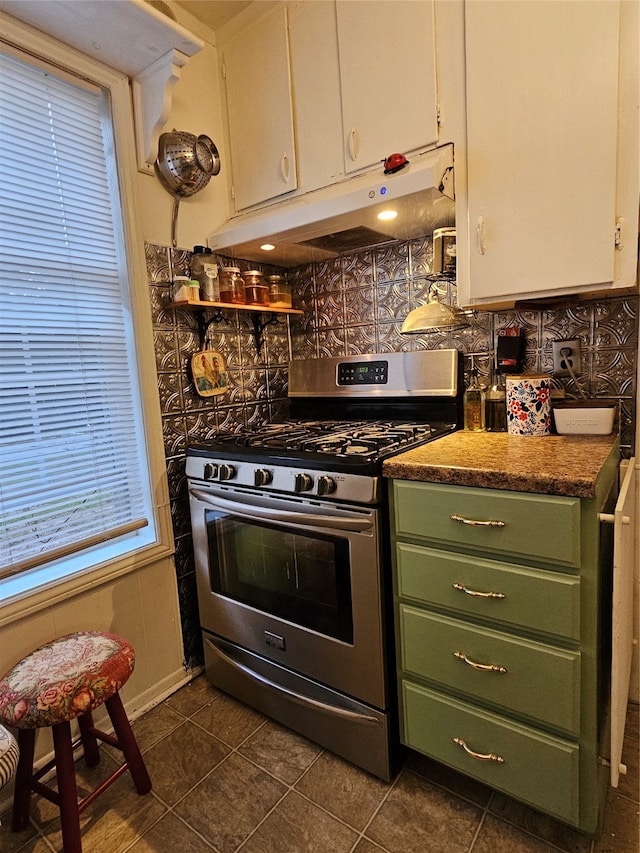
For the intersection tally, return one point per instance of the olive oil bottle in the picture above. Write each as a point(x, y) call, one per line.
point(474, 405)
point(496, 408)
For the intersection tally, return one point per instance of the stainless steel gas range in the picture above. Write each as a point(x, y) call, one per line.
point(290, 537)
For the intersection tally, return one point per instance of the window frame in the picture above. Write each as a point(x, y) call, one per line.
point(18, 595)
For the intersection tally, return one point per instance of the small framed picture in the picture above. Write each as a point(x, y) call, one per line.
point(209, 373)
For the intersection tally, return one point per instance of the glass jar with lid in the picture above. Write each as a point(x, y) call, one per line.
point(279, 291)
point(231, 286)
point(256, 291)
point(204, 269)
point(181, 291)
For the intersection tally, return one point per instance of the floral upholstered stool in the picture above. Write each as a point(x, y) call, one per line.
point(8, 756)
point(63, 680)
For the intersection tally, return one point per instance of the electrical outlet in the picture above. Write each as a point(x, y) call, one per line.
point(566, 354)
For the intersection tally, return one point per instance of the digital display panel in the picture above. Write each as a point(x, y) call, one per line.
point(363, 373)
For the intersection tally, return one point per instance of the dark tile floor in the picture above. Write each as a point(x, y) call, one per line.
point(226, 778)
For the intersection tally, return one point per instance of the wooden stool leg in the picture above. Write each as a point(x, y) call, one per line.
point(89, 742)
point(24, 771)
point(128, 744)
point(67, 790)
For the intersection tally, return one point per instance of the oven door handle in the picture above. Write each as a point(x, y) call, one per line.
point(339, 521)
point(298, 698)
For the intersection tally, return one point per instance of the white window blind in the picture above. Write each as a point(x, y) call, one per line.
point(73, 470)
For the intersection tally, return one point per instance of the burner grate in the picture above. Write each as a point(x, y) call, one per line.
point(365, 439)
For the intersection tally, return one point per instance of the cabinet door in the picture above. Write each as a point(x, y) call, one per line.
point(258, 87)
point(541, 135)
point(388, 78)
point(526, 763)
point(490, 521)
point(504, 593)
point(315, 70)
point(511, 673)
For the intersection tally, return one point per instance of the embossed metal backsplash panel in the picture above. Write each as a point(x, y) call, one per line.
point(357, 304)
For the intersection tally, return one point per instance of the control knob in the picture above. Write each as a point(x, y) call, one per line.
point(227, 472)
point(326, 485)
point(262, 477)
point(210, 471)
point(302, 483)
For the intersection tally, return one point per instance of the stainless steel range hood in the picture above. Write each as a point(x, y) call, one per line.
point(343, 218)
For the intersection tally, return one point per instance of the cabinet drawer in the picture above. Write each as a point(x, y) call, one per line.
point(539, 769)
point(541, 682)
point(513, 595)
point(540, 527)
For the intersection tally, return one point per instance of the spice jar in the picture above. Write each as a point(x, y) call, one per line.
point(231, 286)
point(256, 291)
point(181, 292)
point(279, 291)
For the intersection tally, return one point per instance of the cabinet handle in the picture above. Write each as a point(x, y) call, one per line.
point(481, 756)
point(354, 147)
point(481, 240)
point(474, 523)
point(284, 168)
point(485, 667)
point(477, 594)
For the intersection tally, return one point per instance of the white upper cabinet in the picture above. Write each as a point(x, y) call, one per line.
point(388, 78)
point(348, 82)
point(542, 136)
point(258, 86)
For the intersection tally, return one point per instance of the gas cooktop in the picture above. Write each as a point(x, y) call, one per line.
point(337, 438)
point(339, 445)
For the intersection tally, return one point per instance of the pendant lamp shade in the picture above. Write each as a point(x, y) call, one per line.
point(434, 316)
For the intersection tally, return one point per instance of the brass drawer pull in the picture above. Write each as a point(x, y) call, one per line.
point(475, 523)
point(486, 667)
point(489, 756)
point(476, 594)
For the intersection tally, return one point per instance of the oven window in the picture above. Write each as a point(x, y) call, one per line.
point(303, 578)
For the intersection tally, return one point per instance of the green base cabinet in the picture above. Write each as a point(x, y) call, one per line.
point(501, 603)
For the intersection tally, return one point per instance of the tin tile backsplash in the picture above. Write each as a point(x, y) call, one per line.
point(354, 304)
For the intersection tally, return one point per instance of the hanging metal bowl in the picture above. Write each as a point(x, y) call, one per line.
point(185, 165)
point(186, 162)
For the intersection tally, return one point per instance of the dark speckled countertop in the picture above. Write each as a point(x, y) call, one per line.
point(550, 464)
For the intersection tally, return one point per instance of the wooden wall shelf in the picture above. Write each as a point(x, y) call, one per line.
point(256, 311)
point(234, 306)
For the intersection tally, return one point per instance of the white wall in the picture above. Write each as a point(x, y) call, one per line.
point(195, 108)
point(141, 606)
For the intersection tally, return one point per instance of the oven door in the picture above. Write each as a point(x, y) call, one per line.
point(296, 581)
